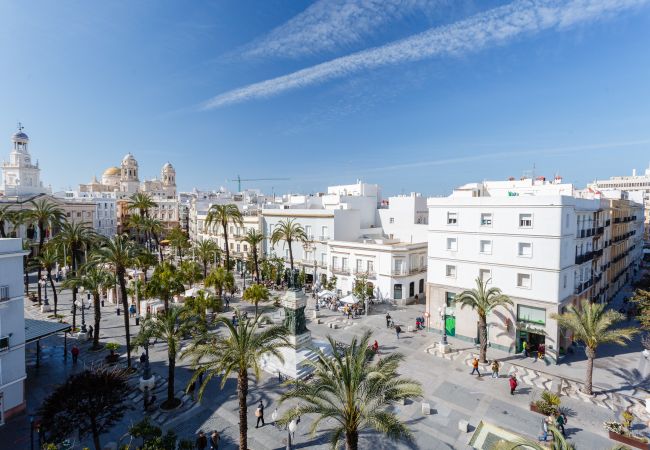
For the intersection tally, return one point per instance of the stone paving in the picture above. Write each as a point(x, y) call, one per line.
point(453, 395)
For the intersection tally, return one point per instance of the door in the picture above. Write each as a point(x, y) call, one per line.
point(450, 325)
point(412, 289)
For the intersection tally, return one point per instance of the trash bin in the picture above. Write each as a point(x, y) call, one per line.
point(137, 320)
point(118, 310)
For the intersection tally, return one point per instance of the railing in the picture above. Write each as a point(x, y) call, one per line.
point(600, 230)
point(417, 269)
point(399, 273)
point(324, 238)
point(341, 270)
point(578, 288)
point(366, 273)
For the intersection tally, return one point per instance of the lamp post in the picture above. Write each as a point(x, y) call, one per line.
point(443, 317)
point(80, 303)
point(291, 432)
point(43, 283)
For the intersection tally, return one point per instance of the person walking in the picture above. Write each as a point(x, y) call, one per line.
point(227, 302)
point(214, 440)
point(513, 384)
point(495, 369)
point(475, 367)
point(524, 346)
point(544, 435)
point(398, 330)
point(388, 318)
point(75, 354)
point(560, 421)
point(259, 413)
point(132, 311)
point(201, 441)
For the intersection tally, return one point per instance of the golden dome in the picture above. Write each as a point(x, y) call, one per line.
point(112, 171)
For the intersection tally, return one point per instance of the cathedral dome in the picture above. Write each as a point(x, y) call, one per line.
point(128, 158)
point(112, 171)
point(19, 136)
point(168, 167)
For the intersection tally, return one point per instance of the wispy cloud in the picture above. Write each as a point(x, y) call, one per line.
point(494, 27)
point(328, 25)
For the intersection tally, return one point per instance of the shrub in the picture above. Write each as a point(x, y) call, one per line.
point(548, 404)
point(615, 427)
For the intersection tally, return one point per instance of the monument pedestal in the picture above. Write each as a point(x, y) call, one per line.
point(293, 366)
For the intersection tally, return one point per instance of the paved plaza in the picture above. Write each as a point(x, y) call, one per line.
point(620, 377)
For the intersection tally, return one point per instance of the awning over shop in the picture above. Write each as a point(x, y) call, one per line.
point(36, 330)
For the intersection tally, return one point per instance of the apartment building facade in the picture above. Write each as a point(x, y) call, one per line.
point(543, 244)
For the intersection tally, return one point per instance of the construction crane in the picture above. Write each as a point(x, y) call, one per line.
point(239, 180)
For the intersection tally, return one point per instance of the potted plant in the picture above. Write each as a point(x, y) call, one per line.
point(548, 404)
point(618, 432)
point(112, 357)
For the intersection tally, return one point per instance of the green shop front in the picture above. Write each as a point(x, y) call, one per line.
point(531, 324)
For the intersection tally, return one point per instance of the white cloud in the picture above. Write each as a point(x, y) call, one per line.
point(493, 27)
point(328, 25)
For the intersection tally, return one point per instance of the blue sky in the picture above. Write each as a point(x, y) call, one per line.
point(416, 95)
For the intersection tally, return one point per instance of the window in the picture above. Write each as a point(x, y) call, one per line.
point(421, 290)
point(452, 218)
point(397, 292)
point(391, 220)
point(308, 231)
point(486, 247)
point(523, 280)
point(452, 244)
point(486, 219)
point(525, 249)
point(371, 266)
point(450, 271)
point(397, 266)
point(359, 267)
point(528, 314)
point(245, 247)
point(4, 293)
point(326, 233)
point(344, 264)
point(335, 262)
point(232, 246)
point(449, 299)
point(238, 247)
point(525, 220)
point(564, 283)
point(323, 258)
point(485, 274)
point(412, 289)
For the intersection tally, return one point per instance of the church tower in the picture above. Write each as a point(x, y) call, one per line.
point(20, 176)
point(168, 177)
point(129, 181)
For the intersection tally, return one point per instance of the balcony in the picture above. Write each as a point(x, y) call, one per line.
point(578, 289)
point(600, 230)
point(341, 270)
point(583, 233)
point(598, 253)
point(608, 222)
point(415, 270)
point(366, 273)
point(324, 238)
point(399, 273)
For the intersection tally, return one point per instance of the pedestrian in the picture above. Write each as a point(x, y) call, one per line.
point(214, 440)
point(201, 441)
point(560, 421)
point(513, 384)
point(388, 318)
point(533, 350)
point(495, 369)
point(541, 351)
point(234, 320)
point(132, 311)
point(349, 312)
point(475, 367)
point(398, 330)
point(259, 413)
point(544, 435)
point(75, 354)
point(143, 358)
point(524, 346)
point(90, 332)
point(227, 302)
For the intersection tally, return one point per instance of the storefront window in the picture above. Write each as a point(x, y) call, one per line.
point(449, 300)
point(528, 314)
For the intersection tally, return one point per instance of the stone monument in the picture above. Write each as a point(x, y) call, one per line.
point(294, 303)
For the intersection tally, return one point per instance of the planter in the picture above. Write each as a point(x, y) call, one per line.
point(534, 408)
point(628, 440)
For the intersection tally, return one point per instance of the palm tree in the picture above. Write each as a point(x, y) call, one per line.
point(190, 272)
point(73, 238)
point(240, 351)
point(165, 282)
point(155, 228)
point(207, 251)
point(221, 216)
point(593, 325)
point(119, 253)
point(483, 301)
point(144, 261)
point(48, 260)
point(94, 279)
point(254, 238)
point(169, 327)
point(179, 240)
point(288, 231)
point(6, 215)
point(142, 202)
point(136, 226)
point(44, 214)
point(348, 389)
point(221, 280)
point(255, 294)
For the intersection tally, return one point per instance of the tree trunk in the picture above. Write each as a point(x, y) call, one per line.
point(205, 269)
point(290, 255)
point(41, 241)
point(125, 305)
point(74, 288)
point(155, 238)
point(2, 229)
point(54, 295)
point(95, 433)
point(171, 367)
point(98, 316)
point(242, 390)
point(225, 237)
point(482, 338)
point(257, 266)
point(591, 355)
point(351, 440)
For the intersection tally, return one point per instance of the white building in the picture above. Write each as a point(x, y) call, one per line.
point(20, 175)
point(105, 215)
point(12, 329)
point(539, 243)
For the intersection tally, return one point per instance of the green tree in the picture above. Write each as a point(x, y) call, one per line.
point(48, 260)
point(354, 393)
point(155, 228)
point(9, 216)
point(144, 261)
point(170, 327)
point(179, 241)
point(190, 272)
point(201, 301)
point(360, 288)
point(289, 231)
point(221, 280)
point(143, 202)
point(45, 215)
point(93, 279)
point(593, 325)
point(221, 216)
point(255, 294)
point(119, 253)
point(255, 239)
point(206, 251)
point(73, 239)
point(88, 403)
point(483, 300)
point(239, 351)
point(166, 281)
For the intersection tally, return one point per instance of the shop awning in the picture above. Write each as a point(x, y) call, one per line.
point(38, 329)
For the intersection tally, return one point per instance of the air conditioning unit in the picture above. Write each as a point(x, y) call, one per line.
point(4, 343)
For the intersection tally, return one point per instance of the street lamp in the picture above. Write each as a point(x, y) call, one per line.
point(43, 283)
point(80, 303)
point(291, 432)
point(443, 317)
